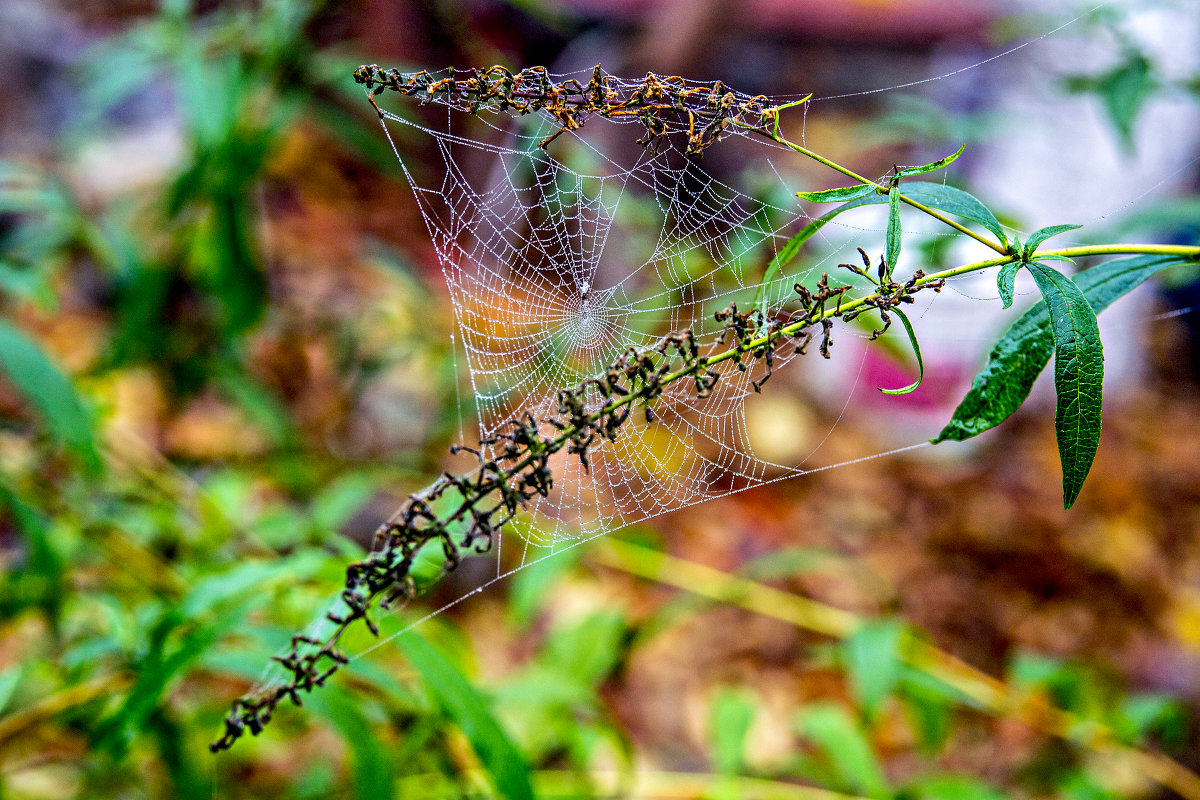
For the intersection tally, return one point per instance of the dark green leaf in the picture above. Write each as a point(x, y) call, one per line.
point(463, 704)
point(912, 338)
point(42, 576)
point(1078, 375)
point(792, 246)
point(1006, 281)
point(1025, 348)
point(957, 202)
point(948, 160)
point(840, 195)
point(159, 668)
point(48, 390)
point(175, 757)
point(894, 232)
point(1042, 234)
point(873, 661)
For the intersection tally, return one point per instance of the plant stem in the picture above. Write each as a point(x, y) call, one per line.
point(71, 697)
point(1182, 251)
point(804, 151)
point(787, 330)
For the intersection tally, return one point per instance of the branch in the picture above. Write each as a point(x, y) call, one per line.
point(491, 495)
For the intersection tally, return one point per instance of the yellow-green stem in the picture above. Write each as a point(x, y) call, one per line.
point(1183, 251)
point(804, 151)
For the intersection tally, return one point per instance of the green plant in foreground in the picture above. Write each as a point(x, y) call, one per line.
point(460, 514)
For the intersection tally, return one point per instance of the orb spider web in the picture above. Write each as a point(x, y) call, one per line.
point(564, 243)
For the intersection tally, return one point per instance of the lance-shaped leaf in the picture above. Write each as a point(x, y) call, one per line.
point(874, 660)
point(935, 195)
point(49, 391)
point(893, 231)
point(792, 246)
point(1078, 375)
point(957, 202)
point(839, 195)
point(912, 337)
point(921, 170)
point(1006, 281)
point(1042, 234)
point(1025, 348)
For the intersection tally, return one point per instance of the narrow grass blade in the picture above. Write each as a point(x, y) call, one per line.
point(49, 391)
point(462, 703)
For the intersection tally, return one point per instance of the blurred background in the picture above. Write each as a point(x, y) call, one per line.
point(226, 356)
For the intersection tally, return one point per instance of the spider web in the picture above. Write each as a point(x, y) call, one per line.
point(560, 258)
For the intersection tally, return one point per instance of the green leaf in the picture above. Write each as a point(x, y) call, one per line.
point(873, 660)
point(49, 391)
point(463, 704)
point(530, 588)
point(9, 679)
point(912, 338)
point(261, 403)
point(894, 232)
point(952, 787)
point(936, 195)
point(847, 750)
point(173, 646)
point(792, 246)
point(41, 580)
point(1042, 234)
point(929, 705)
point(1006, 281)
point(730, 717)
point(1025, 348)
point(1078, 375)
point(944, 162)
point(1142, 714)
point(957, 202)
point(589, 650)
point(372, 768)
point(1124, 91)
point(840, 195)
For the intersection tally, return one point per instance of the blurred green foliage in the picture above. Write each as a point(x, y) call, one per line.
point(141, 594)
